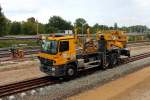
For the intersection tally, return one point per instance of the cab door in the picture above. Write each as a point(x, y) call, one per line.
point(64, 54)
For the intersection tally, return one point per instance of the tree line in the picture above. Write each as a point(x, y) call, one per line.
point(56, 24)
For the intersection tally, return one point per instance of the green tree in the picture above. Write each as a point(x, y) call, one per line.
point(8, 24)
point(31, 19)
point(103, 27)
point(81, 23)
point(3, 22)
point(41, 28)
point(56, 24)
point(95, 28)
point(30, 26)
point(15, 28)
point(115, 26)
point(98, 27)
point(124, 28)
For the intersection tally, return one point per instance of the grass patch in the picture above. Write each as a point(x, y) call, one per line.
point(9, 43)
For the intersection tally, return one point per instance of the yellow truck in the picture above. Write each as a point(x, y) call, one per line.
point(61, 55)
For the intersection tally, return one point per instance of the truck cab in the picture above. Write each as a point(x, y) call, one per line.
point(56, 52)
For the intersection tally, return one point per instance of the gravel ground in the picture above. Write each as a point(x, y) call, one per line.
point(8, 66)
point(98, 78)
point(139, 50)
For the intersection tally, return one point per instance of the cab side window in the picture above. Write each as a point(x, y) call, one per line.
point(64, 46)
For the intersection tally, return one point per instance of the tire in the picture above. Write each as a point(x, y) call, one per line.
point(128, 54)
point(114, 60)
point(71, 71)
point(107, 64)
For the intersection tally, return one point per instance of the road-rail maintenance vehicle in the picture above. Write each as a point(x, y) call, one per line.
point(65, 54)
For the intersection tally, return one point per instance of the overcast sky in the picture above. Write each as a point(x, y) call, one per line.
point(124, 12)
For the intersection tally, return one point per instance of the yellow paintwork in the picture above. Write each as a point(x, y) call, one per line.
point(62, 57)
point(60, 38)
point(115, 39)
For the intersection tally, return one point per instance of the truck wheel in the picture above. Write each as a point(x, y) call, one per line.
point(128, 54)
point(71, 71)
point(106, 65)
point(114, 60)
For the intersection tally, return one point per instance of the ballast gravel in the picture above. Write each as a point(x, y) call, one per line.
point(78, 85)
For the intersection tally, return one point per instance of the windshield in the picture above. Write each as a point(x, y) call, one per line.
point(49, 46)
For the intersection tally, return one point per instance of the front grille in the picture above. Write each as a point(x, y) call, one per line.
point(46, 68)
point(46, 62)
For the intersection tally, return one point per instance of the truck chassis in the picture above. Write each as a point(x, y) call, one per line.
point(103, 60)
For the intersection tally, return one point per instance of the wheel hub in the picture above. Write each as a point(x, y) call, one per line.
point(70, 72)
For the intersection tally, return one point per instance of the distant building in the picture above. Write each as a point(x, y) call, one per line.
point(136, 34)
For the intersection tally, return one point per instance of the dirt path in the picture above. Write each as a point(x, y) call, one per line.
point(19, 75)
point(135, 86)
point(20, 72)
point(140, 91)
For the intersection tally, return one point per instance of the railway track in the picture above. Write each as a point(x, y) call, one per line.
point(6, 53)
point(25, 85)
point(138, 44)
point(136, 57)
point(14, 88)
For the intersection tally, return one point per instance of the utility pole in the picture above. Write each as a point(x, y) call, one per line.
point(83, 24)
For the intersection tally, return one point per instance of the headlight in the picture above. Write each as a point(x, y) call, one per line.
point(126, 49)
point(53, 69)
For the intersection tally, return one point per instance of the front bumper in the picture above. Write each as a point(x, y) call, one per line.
point(56, 71)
